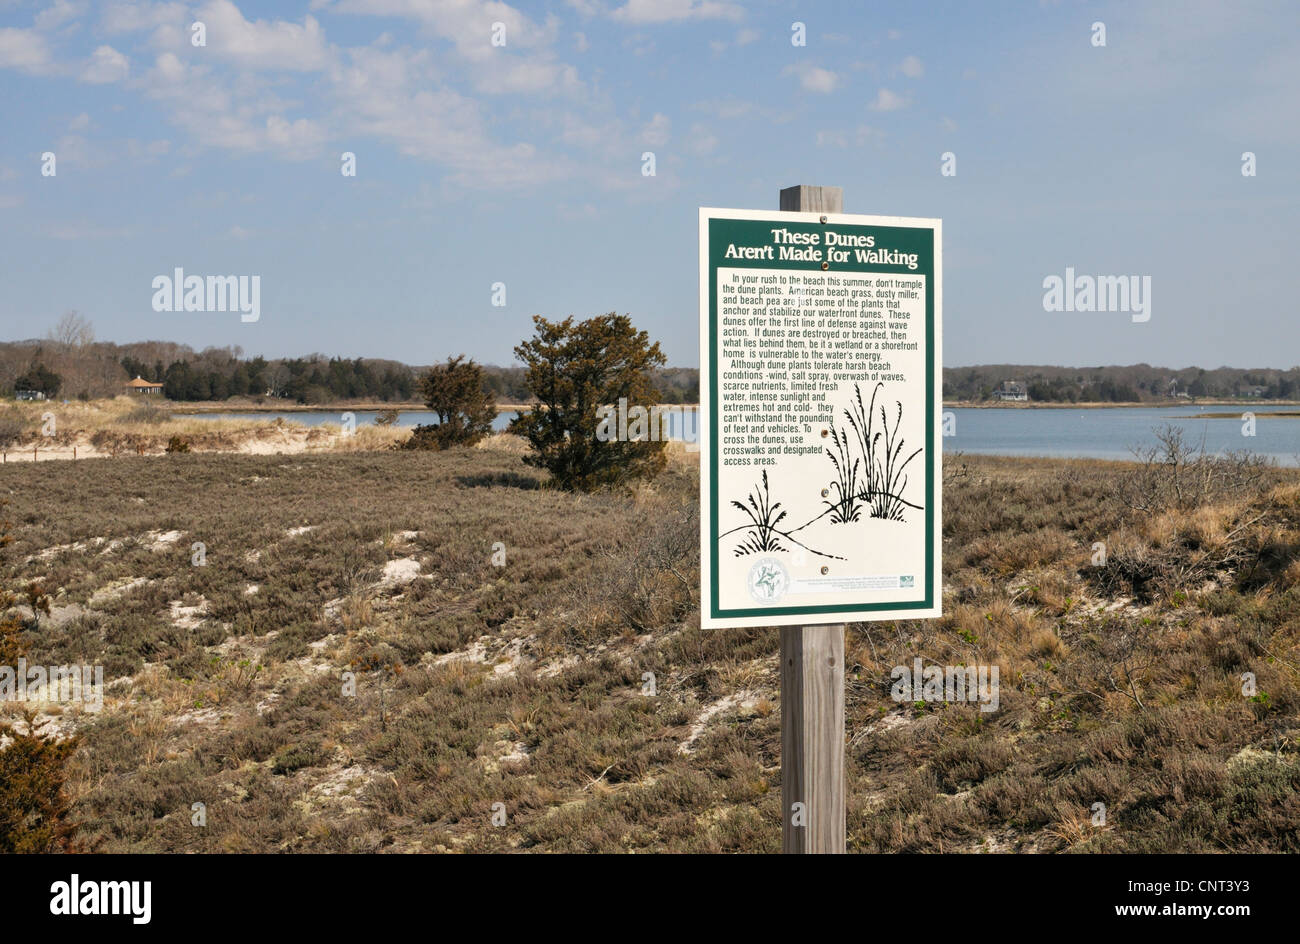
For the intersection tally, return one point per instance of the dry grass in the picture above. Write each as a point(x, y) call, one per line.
point(126, 426)
point(523, 684)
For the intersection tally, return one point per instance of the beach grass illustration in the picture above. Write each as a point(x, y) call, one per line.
point(844, 502)
point(761, 536)
point(880, 458)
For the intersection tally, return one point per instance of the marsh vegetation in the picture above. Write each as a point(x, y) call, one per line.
point(499, 636)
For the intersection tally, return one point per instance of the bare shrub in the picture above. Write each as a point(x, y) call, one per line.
point(114, 442)
point(1175, 474)
point(146, 414)
point(12, 427)
point(648, 578)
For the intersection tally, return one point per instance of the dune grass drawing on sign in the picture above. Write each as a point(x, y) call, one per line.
point(880, 459)
point(845, 502)
point(870, 477)
point(761, 535)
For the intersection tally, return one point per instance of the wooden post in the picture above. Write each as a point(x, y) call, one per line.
point(812, 686)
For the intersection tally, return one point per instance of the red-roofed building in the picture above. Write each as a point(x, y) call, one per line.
point(143, 386)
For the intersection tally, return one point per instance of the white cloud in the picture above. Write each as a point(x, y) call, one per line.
point(671, 11)
point(425, 100)
point(887, 101)
point(247, 120)
point(24, 49)
point(726, 109)
point(525, 64)
point(127, 17)
point(838, 138)
point(814, 78)
point(105, 65)
point(293, 138)
point(743, 38)
point(655, 133)
point(702, 139)
point(147, 152)
point(912, 67)
point(58, 13)
point(72, 150)
point(389, 95)
point(261, 44)
point(866, 133)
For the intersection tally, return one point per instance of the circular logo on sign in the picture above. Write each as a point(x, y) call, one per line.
point(768, 580)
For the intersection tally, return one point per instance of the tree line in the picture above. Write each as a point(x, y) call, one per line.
point(72, 364)
point(1137, 383)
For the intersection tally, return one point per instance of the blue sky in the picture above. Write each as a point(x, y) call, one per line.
point(522, 164)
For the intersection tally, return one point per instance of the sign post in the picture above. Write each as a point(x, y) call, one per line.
point(820, 400)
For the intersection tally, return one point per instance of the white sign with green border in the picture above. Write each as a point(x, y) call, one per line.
point(820, 400)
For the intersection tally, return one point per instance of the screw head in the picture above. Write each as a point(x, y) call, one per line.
point(825, 433)
point(823, 219)
point(825, 569)
point(826, 492)
point(825, 266)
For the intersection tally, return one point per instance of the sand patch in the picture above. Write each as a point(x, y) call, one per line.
point(187, 617)
point(399, 572)
point(735, 701)
point(115, 589)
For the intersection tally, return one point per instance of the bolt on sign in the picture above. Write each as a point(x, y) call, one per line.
point(820, 401)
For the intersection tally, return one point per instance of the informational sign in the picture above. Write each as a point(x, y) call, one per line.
point(820, 399)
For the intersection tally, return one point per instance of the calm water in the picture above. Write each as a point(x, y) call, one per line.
point(1097, 433)
point(679, 422)
point(406, 418)
point(1111, 432)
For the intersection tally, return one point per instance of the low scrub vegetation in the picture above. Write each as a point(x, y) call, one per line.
point(355, 668)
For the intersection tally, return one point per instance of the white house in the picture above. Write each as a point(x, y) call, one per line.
point(1011, 390)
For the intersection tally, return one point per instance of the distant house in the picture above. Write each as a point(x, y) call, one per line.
point(143, 387)
point(1174, 392)
point(1011, 390)
point(29, 395)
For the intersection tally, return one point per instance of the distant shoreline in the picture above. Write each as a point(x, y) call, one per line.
point(1093, 405)
point(185, 407)
point(188, 407)
point(244, 406)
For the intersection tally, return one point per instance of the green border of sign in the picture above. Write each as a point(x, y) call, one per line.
point(921, 237)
